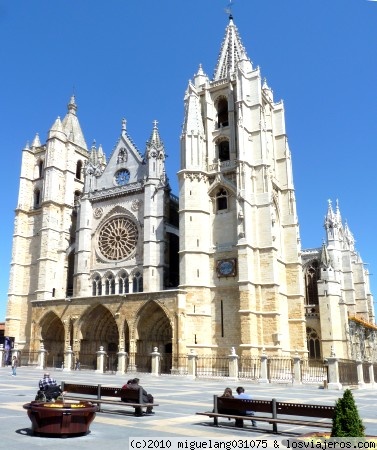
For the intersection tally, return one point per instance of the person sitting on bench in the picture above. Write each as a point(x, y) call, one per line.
point(147, 398)
point(49, 390)
point(241, 394)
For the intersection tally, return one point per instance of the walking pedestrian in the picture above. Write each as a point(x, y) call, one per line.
point(14, 366)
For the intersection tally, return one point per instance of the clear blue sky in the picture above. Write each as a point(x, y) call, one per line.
point(133, 59)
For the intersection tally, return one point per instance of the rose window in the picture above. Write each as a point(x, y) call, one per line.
point(118, 238)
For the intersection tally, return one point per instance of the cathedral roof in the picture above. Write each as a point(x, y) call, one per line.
point(71, 125)
point(232, 51)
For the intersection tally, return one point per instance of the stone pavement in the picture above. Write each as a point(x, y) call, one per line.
point(179, 398)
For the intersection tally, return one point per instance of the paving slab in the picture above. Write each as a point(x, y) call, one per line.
point(179, 398)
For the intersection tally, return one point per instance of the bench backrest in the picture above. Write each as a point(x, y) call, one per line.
point(83, 389)
point(131, 395)
point(99, 391)
point(299, 409)
point(232, 405)
point(242, 405)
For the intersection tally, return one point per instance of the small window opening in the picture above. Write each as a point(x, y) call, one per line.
point(40, 169)
point(37, 198)
point(78, 170)
point(222, 200)
point(222, 113)
point(224, 154)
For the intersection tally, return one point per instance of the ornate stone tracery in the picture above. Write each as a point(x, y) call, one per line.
point(118, 238)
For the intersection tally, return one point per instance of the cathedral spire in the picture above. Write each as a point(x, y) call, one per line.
point(71, 125)
point(155, 155)
point(232, 51)
point(36, 142)
point(155, 136)
point(72, 107)
point(325, 257)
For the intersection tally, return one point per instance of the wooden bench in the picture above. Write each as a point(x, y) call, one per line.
point(107, 395)
point(276, 412)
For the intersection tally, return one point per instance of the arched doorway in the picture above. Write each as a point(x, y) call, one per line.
point(52, 336)
point(98, 329)
point(153, 330)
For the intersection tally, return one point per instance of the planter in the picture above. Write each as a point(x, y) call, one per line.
point(61, 419)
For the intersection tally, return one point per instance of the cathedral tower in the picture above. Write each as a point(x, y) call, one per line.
point(239, 245)
point(45, 224)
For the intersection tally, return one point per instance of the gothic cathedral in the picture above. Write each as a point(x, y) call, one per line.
point(105, 255)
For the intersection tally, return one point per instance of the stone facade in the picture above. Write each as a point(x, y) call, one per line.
point(105, 256)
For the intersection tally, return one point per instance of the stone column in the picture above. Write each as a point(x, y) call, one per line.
point(1, 354)
point(132, 360)
point(233, 364)
point(360, 374)
point(68, 358)
point(333, 371)
point(122, 362)
point(371, 374)
point(156, 357)
point(263, 369)
point(101, 360)
point(297, 370)
point(191, 363)
point(41, 357)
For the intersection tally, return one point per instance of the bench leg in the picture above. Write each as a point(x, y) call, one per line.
point(138, 411)
point(239, 423)
point(215, 421)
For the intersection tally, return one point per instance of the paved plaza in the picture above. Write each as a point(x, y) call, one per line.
point(179, 398)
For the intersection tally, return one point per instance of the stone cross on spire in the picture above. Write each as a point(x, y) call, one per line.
point(228, 9)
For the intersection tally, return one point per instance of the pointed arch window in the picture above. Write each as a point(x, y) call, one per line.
point(224, 154)
point(314, 343)
point(124, 284)
point(110, 285)
point(37, 198)
point(137, 282)
point(78, 170)
point(311, 283)
point(221, 200)
point(97, 286)
point(222, 113)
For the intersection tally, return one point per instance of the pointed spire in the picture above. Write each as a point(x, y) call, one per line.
point(93, 156)
point(36, 142)
point(57, 130)
point(268, 91)
point(155, 138)
point(338, 215)
point(325, 257)
point(232, 51)
point(349, 237)
point(200, 77)
point(193, 122)
point(124, 126)
point(71, 125)
point(72, 107)
point(101, 157)
point(330, 217)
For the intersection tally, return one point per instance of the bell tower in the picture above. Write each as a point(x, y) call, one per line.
point(240, 246)
point(51, 181)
